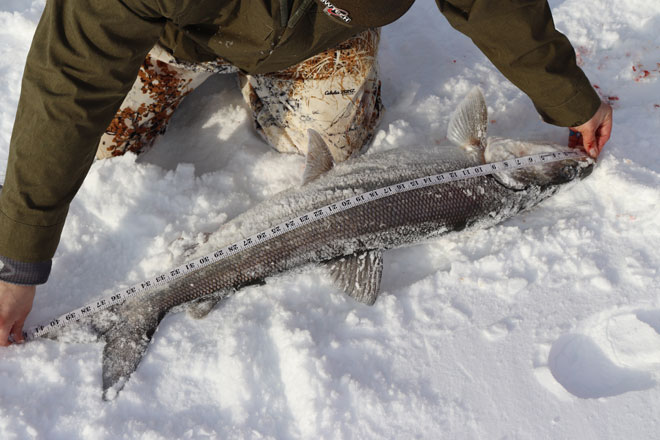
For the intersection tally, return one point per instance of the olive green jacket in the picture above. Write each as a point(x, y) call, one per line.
point(86, 54)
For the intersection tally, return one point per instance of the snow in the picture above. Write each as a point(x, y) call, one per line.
point(546, 326)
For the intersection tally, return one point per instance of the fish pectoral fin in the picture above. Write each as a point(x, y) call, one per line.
point(125, 344)
point(199, 308)
point(359, 275)
point(469, 123)
point(319, 159)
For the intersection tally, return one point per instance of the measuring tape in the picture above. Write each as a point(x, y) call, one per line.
point(292, 224)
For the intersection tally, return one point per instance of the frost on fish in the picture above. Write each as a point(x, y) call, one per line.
point(359, 275)
point(555, 173)
point(350, 242)
point(468, 125)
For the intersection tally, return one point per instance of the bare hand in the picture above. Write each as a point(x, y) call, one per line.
point(15, 304)
point(596, 131)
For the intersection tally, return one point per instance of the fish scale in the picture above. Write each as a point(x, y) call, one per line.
point(349, 239)
point(398, 220)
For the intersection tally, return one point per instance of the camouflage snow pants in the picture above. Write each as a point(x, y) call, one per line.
point(337, 93)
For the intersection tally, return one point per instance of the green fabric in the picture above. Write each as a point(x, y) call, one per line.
point(249, 34)
point(520, 39)
point(84, 58)
point(86, 54)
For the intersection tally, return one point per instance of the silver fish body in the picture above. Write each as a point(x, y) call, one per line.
point(395, 221)
point(350, 241)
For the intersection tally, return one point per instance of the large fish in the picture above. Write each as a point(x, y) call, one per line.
point(350, 242)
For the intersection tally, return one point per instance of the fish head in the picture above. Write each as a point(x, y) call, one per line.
point(545, 175)
point(468, 128)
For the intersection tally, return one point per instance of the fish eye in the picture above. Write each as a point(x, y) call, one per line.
point(568, 172)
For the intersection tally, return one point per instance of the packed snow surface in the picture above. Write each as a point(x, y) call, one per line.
point(545, 326)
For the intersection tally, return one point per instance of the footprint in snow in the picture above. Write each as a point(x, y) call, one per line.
point(612, 353)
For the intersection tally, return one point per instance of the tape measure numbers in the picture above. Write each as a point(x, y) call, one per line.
point(292, 224)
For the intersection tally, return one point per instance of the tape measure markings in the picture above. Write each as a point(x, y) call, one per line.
point(292, 224)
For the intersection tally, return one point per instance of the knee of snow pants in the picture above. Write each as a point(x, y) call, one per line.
point(336, 93)
point(159, 88)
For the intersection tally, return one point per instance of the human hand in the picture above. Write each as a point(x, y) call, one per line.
point(595, 132)
point(15, 304)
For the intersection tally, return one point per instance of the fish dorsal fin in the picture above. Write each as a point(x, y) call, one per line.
point(468, 124)
point(319, 159)
point(359, 275)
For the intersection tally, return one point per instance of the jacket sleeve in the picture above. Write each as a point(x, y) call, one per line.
point(83, 60)
point(520, 39)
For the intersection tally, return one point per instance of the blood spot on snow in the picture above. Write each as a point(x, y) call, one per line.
point(581, 52)
point(641, 72)
point(611, 99)
point(642, 75)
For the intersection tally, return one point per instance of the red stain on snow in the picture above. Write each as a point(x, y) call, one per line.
point(581, 53)
point(642, 72)
point(611, 99)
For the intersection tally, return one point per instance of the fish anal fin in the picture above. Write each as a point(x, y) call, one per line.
point(469, 123)
point(125, 344)
point(199, 308)
point(319, 159)
point(359, 275)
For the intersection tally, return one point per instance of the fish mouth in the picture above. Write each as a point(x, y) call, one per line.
point(547, 174)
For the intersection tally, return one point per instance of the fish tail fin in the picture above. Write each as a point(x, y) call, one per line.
point(468, 124)
point(126, 341)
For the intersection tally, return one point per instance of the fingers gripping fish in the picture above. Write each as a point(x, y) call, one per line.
point(350, 242)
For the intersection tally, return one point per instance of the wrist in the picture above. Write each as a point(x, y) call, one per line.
point(24, 273)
